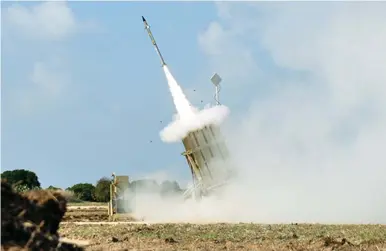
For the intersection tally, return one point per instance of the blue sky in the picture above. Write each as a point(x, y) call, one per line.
point(114, 95)
point(83, 92)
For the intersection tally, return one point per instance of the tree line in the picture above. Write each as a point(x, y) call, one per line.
point(24, 180)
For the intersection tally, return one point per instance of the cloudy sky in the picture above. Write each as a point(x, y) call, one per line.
point(83, 93)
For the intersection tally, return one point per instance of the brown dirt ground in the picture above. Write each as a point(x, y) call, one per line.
point(86, 214)
point(89, 214)
point(228, 237)
point(218, 236)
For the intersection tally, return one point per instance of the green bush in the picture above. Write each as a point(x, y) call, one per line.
point(102, 190)
point(83, 191)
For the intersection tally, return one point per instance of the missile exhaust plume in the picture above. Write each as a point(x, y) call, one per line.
point(184, 109)
point(188, 117)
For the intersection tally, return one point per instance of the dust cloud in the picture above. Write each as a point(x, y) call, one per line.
point(313, 150)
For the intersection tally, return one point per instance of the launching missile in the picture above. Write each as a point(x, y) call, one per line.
point(147, 28)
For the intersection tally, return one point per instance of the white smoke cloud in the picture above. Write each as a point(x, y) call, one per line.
point(313, 149)
point(188, 117)
point(179, 128)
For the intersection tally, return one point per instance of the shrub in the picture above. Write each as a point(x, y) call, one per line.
point(83, 191)
point(102, 190)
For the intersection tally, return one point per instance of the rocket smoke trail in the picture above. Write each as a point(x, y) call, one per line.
point(189, 118)
point(183, 107)
point(182, 104)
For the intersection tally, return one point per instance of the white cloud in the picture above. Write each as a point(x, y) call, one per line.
point(52, 20)
point(310, 151)
point(345, 45)
point(46, 81)
point(227, 52)
point(45, 86)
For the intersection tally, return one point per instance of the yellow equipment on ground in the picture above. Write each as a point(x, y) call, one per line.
point(208, 159)
point(119, 204)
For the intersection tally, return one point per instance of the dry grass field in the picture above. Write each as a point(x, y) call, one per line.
point(92, 213)
point(216, 236)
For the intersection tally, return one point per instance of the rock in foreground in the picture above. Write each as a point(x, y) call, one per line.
point(31, 221)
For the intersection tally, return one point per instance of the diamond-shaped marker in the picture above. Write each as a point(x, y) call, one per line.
point(216, 79)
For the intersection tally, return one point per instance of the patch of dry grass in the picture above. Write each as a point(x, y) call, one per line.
point(229, 237)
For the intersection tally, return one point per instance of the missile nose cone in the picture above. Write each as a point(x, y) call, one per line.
point(143, 19)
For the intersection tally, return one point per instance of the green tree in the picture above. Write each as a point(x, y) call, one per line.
point(21, 188)
point(84, 191)
point(53, 188)
point(21, 177)
point(102, 190)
